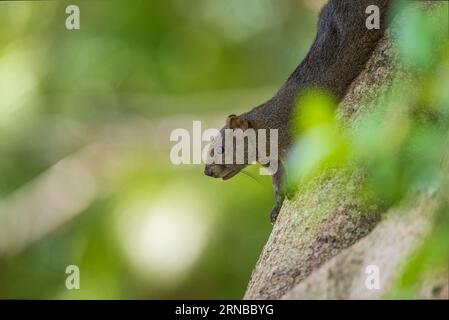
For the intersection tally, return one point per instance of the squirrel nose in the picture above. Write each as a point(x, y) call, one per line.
point(207, 171)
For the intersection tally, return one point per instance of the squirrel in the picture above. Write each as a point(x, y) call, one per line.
point(340, 51)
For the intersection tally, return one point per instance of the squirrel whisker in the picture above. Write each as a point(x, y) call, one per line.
point(246, 173)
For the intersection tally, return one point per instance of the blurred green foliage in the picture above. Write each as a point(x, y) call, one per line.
point(134, 72)
point(104, 99)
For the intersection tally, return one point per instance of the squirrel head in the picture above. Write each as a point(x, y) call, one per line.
point(223, 158)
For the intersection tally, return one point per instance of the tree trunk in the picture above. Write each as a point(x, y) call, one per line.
point(316, 248)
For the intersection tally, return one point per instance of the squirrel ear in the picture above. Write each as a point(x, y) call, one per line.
point(235, 122)
point(231, 121)
point(244, 124)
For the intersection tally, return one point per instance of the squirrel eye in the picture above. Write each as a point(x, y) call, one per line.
point(220, 150)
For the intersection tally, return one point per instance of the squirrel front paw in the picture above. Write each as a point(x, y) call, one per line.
point(274, 213)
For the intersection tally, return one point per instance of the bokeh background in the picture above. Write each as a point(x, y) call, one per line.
point(85, 119)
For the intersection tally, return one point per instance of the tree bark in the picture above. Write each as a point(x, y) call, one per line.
point(315, 248)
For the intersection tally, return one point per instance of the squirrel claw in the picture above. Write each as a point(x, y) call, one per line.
point(274, 213)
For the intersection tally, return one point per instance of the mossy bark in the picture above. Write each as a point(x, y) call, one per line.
point(315, 249)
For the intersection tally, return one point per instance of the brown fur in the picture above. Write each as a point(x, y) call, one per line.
point(338, 54)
